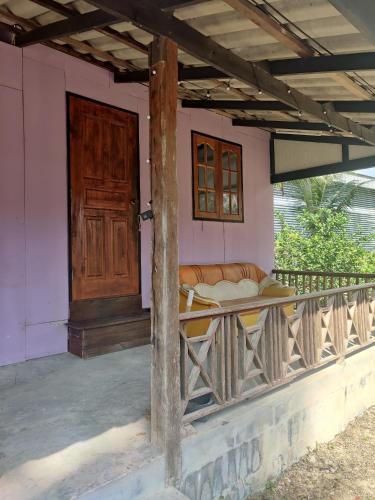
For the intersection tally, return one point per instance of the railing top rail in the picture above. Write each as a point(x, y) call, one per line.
point(324, 273)
point(222, 311)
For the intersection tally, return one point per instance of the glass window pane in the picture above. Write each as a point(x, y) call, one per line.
point(226, 180)
point(234, 204)
point(211, 177)
point(226, 203)
point(225, 160)
point(202, 201)
point(233, 161)
point(201, 176)
point(211, 202)
point(201, 153)
point(233, 178)
point(210, 156)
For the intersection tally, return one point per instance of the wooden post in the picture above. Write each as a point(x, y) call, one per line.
point(165, 371)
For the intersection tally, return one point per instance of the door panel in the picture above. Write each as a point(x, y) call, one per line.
point(104, 200)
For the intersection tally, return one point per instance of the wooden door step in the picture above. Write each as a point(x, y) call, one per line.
point(92, 337)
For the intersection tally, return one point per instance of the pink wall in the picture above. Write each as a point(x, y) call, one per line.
point(34, 301)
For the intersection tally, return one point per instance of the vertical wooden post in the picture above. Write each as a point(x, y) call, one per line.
point(340, 324)
point(276, 344)
point(165, 371)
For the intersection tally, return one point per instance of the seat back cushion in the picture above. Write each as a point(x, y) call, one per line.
point(213, 273)
point(227, 290)
point(267, 282)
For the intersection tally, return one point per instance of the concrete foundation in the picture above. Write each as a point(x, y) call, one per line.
point(79, 429)
point(235, 453)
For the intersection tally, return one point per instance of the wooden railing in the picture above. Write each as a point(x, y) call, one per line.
point(316, 281)
point(232, 362)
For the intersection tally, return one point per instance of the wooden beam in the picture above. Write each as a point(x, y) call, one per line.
point(96, 20)
point(271, 26)
point(234, 104)
point(184, 74)
point(351, 85)
point(339, 106)
point(124, 38)
point(7, 34)
point(239, 122)
point(360, 14)
point(87, 51)
point(291, 41)
point(333, 168)
point(145, 15)
point(325, 139)
point(74, 24)
point(362, 61)
point(171, 5)
point(165, 371)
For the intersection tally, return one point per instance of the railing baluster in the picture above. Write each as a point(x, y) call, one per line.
point(221, 359)
point(212, 360)
point(310, 336)
point(228, 358)
point(274, 338)
point(235, 362)
point(184, 361)
point(339, 323)
point(234, 355)
point(362, 317)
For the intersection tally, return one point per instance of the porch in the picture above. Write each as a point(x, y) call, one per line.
point(65, 422)
point(109, 185)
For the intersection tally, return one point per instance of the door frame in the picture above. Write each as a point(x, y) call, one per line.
point(68, 95)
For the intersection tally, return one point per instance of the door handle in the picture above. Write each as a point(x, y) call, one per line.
point(132, 202)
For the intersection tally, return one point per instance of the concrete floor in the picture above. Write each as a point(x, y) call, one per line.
point(69, 425)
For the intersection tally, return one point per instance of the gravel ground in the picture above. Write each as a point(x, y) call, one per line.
point(342, 469)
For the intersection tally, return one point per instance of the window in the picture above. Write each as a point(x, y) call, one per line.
point(217, 179)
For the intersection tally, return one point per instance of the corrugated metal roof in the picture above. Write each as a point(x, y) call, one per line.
point(317, 19)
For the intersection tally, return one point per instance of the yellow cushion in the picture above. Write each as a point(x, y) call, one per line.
point(227, 290)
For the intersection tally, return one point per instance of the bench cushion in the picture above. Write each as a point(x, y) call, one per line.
point(212, 273)
point(227, 290)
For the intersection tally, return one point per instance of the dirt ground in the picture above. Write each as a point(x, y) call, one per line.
point(342, 469)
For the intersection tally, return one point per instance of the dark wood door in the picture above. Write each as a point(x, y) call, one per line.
point(104, 200)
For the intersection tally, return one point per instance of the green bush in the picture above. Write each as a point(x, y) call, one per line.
point(323, 244)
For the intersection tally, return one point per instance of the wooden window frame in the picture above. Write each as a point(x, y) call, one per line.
point(219, 145)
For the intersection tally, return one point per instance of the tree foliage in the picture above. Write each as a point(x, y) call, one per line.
point(324, 192)
point(323, 244)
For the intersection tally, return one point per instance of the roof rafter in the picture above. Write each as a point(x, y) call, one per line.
point(146, 16)
point(7, 34)
point(68, 12)
point(275, 124)
point(361, 61)
point(76, 23)
point(271, 26)
point(327, 139)
point(291, 41)
point(323, 64)
point(86, 51)
point(339, 106)
point(95, 20)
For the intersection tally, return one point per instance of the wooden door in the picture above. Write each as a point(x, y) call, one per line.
point(104, 200)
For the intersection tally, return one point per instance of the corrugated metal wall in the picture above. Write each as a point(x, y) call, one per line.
point(362, 213)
